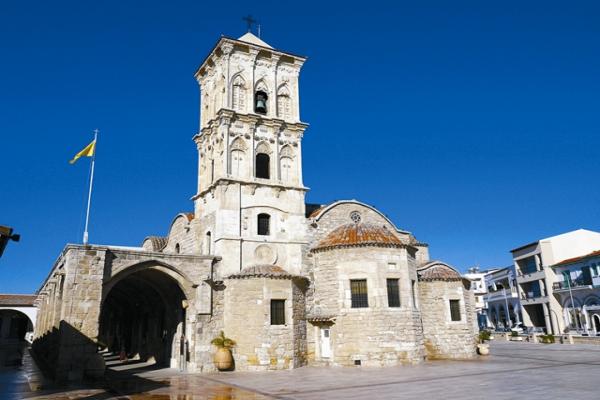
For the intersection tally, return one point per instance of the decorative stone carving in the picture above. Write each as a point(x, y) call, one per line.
point(265, 254)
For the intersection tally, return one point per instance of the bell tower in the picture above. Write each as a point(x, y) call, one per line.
point(250, 198)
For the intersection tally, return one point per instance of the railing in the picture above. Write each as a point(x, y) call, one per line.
point(579, 282)
point(531, 294)
point(499, 294)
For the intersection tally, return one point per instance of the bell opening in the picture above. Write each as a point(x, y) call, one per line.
point(260, 102)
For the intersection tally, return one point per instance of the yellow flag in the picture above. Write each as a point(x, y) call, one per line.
point(88, 151)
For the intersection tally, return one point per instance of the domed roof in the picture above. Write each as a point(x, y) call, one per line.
point(359, 234)
point(438, 271)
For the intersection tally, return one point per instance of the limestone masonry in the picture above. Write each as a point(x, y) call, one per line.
point(292, 283)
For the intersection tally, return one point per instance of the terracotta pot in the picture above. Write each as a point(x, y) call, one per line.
point(223, 359)
point(483, 349)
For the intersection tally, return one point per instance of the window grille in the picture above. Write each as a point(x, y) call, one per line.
point(455, 310)
point(277, 312)
point(393, 292)
point(358, 290)
point(263, 224)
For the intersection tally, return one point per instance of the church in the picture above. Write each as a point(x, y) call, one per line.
point(292, 283)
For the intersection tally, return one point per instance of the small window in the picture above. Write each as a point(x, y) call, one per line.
point(414, 294)
point(208, 243)
point(393, 292)
point(263, 166)
point(277, 312)
point(358, 290)
point(263, 224)
point(455, 310)
point(177, 248)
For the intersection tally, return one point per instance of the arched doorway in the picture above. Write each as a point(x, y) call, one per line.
point(14, 325)
point(143, 317)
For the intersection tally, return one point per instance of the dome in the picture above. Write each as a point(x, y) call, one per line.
point(359, 234)
point(438, 271)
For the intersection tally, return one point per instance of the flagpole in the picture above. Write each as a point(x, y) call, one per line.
point(87, 214)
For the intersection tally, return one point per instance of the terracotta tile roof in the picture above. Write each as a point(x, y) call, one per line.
point(361, 234)
point(438, 271)
point(190, 216)
point(595, 253)
point(264, 271)
point(17, 299)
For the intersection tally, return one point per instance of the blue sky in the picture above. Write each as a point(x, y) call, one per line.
point(472, 124)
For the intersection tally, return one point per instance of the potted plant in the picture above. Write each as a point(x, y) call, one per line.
point(547, 338)
point(482, 347)
point(223, 359)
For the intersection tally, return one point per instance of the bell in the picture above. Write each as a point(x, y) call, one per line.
point(261, 104)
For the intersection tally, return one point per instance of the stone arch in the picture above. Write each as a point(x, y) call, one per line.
point(286, 151)
point(183, 281)
point(17, 322)
point(237, 154)
point(329, 207)
point(144, 311)
point(263, 147)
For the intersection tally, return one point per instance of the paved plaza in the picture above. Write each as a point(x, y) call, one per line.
point(514, 370)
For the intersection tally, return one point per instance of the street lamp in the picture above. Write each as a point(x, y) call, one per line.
point(572, 302)
point(6, 234)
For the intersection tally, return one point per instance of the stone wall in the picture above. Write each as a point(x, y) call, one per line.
point(378, 335)
point(260, 345)
point(445, 338)
point(66, 333)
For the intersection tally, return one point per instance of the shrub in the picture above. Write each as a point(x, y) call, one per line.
point(514, 333)
point(484, 335)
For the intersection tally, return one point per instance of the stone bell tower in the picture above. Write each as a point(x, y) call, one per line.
point(250, 199)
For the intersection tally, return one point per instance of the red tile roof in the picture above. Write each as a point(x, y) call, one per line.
point(361, 234)
point(438, 271)
point(17, 299)
point(264, 271)
point(595, 253)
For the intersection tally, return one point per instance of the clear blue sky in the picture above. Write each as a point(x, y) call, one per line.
point(474, 125)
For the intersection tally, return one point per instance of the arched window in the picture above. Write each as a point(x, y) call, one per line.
point(177, 248)
point(238, 94)
point(263, 228)
point(208, 243)
point(260, 102)
point(263, 166)
point(286, 169)
point(284, 104)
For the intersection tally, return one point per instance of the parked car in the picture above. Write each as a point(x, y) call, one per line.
point(518, 328)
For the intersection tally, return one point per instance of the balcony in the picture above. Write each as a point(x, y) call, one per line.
point(531, 276)
point(576, 284)
point(500, 295)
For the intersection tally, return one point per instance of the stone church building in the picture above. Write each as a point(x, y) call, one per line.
point(292, 283)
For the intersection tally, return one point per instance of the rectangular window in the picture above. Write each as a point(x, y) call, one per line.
point(358, 290)
point(393, 292)
point(455, 310)
point(277, 312)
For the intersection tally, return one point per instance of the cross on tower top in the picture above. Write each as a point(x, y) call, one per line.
point(250, 21)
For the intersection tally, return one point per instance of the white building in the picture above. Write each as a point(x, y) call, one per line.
point(535, 277)
point(577, 289)
point(479, 286)
point(502, 304)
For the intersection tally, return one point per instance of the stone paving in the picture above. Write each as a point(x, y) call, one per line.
point(513, 370)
